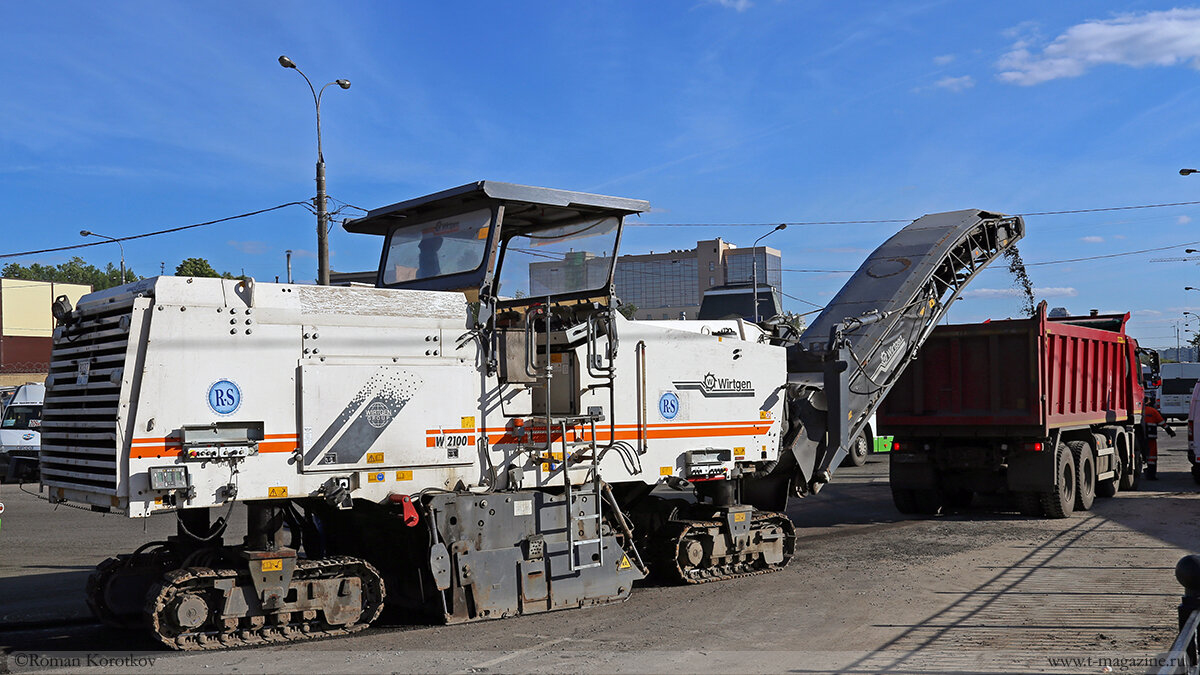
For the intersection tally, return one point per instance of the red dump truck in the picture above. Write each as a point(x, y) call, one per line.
point(1043, 409)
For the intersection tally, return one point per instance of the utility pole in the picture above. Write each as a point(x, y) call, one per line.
point(754, 263)
point(320, 200)
point(89, 233)
point(289, 265)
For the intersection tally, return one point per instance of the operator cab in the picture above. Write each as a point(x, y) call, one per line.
point(537, 263)
point(500, 240)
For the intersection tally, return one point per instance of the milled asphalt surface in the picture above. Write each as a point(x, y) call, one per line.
point(870, 590)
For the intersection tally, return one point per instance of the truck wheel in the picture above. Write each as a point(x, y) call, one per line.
point(1131, 463)
point(1028, 504)
point(1085, 474)
point(859, 450)
point(1108, 488)
point(1196, 473)
point(1133, 475)
point(904, 499)
point(1060, 502)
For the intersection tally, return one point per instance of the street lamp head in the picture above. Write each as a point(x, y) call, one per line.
point(1189, 288)
point(344, 84)
point(286, 62)
point(1189, 250)
point(782, 226)
point(1188, 172)
point(85, 233)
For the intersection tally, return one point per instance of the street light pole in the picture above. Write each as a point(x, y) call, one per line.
point(289, 265)
point(754, 264)
point(320, 200)
point(89, 233)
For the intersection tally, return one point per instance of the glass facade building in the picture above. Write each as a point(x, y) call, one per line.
point(740, 264)
point(662, 285)
point(658, 284)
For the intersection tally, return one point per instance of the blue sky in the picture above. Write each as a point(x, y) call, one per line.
point(127, 117)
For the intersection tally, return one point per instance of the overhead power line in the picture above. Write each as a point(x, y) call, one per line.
point(155, 233)
point(1112, 255)
point(909, 220)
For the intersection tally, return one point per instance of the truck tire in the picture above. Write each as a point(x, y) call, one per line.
point(1028, 504)
point(1196, 473)
point(1060, 502)
point(1131, 462)
point(1109, 487)
point(905, 500)
point(859, 450)
point(1085, 474)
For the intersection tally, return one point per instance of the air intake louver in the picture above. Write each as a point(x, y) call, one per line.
point(83, 391)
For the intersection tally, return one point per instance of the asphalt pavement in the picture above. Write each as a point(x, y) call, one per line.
point(979, 589)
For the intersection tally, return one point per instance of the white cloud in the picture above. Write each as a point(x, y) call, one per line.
point(1183, 220)
point(739, 5)
point(1146, 312)
point(249, 247)
point(1165, 38)
point(955, 83)
point(944, 59)
point(1092, 240)
point(1048, 292)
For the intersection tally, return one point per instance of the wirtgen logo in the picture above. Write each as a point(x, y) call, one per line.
point(712, 386)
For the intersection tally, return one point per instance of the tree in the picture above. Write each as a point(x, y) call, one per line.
point(74, 271)
point(628, 310)
point(200, 267)
point(795, 321)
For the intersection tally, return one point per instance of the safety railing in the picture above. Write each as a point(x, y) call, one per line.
point(1183, 657)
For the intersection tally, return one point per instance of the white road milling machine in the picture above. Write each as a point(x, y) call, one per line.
point(480, 435)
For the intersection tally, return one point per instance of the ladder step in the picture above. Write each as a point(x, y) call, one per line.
point(584, 567)
point(588, 517)
point(581, 542)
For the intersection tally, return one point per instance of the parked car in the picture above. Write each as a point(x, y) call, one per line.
point(21, 433)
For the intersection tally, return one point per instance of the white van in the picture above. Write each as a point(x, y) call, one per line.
point(1178, 379)
point(1193, 411)
point(21, 433)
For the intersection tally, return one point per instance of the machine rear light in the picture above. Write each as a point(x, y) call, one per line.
point(1033, 447)
point(896, 447)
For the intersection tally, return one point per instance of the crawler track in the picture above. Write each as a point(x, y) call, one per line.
point(671, 562)
point(200, 588)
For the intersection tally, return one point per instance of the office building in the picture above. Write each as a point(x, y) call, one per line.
point(663, 285)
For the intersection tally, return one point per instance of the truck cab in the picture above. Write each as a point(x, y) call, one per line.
point(21, 433)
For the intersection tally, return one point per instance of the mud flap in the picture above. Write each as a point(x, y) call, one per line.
point(1030, 471)
point(912, 471)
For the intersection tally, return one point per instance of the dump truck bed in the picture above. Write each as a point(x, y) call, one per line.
point(1023, 376)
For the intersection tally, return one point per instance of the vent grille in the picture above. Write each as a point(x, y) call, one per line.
point(83, 392)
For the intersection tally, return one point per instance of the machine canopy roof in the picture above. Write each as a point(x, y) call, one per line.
point(534, 206)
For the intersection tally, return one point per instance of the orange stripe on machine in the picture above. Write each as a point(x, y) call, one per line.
point(146, 448)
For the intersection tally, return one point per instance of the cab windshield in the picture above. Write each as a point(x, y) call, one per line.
point(20, 416)
point(567, 258)
point(436, 248)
